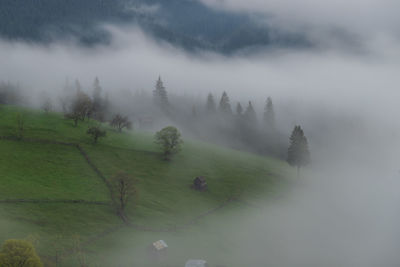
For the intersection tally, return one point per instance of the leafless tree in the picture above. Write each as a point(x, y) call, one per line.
point(96, 132)
point(81, 107)
point(123, 186)
point(120, 122)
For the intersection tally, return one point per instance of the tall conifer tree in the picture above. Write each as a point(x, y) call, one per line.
point(211, 106)
point(160, 96)
point(250, 114)
point(269, 114)
point(224, 105)
point(298, 153)
point(239, 109)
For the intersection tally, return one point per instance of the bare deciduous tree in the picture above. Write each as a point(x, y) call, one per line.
point(120, 122)
point(81, 107)
point(123, 187)
point(96, 132)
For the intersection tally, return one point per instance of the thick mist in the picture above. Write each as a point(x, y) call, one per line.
point(339, 79)
point(343, 210)
point(367, 20)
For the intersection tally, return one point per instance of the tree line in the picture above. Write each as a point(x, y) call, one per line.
point(215, 120)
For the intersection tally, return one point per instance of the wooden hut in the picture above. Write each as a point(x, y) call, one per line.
point(196, 263)
point(200, 183)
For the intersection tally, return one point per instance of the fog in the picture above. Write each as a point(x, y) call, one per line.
point(367, 19)
point(343, 211)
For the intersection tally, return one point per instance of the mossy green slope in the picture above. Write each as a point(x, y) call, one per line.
point(164, 198)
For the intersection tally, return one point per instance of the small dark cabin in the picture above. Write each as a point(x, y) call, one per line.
point(200, 184)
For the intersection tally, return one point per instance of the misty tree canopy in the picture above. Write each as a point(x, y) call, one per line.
point(210, 123)
point(239, 109)
point(170, 141)
point(211, 106)
point(269, 114)
point(161, 97)
point(298, 153)
point(250, 114)
point(224, 105)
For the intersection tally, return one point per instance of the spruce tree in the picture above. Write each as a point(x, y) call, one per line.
point(224, 105)
point(160, 96)
point(240, 127)
point(249, 126)
point(239, 109)
point(250, 114)
point(269, 114)
point(98, 102)
point(211, 106)
point(298, 153)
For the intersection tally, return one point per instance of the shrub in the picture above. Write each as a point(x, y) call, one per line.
point(19, 253)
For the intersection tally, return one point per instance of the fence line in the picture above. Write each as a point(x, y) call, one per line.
point(34, 140)
point(96, 170)
point(120, 213)
point(54, 201)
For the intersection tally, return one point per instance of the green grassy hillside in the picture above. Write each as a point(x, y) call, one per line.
point(69, 205)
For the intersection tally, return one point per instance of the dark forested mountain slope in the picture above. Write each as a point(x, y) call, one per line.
point(186, 23)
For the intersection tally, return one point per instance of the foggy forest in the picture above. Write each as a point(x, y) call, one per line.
point(218, 133)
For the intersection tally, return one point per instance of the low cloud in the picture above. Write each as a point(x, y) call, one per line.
point(133, 61)
point(367, 19)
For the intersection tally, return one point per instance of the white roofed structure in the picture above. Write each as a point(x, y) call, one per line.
point(196, 263)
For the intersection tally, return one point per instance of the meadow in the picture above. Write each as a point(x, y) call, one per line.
point(50, 194)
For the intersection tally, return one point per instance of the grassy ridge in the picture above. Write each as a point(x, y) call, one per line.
point(164, 198)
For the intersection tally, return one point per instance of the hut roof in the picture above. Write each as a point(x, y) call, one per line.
point(160, 245)
point(196, 263)
point(201, 179)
